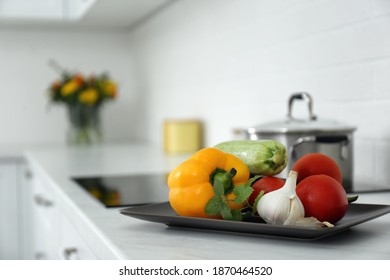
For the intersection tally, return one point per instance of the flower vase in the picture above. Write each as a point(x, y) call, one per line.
point(84, 125)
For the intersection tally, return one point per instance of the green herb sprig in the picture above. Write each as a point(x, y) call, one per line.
point(222, 186)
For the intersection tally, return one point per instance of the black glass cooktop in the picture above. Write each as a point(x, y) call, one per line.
point(131, 190)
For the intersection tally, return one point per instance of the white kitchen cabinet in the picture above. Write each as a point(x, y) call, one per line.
point(52, 236)
point(45, 219)
point(59, 10)
point(78, 13)
point(26, 9)
point(9, 212)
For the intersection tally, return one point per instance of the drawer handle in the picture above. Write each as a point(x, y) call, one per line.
point(42, 201)
point(70, 253)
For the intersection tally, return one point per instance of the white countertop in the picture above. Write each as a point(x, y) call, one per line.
point(111, 235)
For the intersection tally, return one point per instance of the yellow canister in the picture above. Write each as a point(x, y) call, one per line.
point(182, 136)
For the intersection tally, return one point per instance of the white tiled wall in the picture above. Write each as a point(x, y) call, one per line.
point(233, 63)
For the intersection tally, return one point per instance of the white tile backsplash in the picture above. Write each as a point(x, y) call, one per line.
point(345, 82)
point(382, 79)
point(338, 13)
point(234, 63)
point(323, 49)
point(382, 158)
point(367, 40)
point(380, 7)
point(231, 63)
point(364, 154)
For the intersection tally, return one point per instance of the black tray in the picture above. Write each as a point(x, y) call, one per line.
point(163, 213)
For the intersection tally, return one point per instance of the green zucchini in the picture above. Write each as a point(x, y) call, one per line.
point(263, 157)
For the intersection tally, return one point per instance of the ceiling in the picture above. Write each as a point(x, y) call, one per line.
point(101, 13)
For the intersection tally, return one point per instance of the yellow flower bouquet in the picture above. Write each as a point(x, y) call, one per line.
point(83, 96)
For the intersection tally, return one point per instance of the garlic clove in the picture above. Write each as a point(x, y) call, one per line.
point(296, 211)
point(311, 222)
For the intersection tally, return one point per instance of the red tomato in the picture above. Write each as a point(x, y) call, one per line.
point(316, 163)
point(323, 197)
point(267, 184)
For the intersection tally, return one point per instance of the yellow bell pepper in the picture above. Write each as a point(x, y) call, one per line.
point(190, 184)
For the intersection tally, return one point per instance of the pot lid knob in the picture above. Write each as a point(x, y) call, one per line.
point(301, 96)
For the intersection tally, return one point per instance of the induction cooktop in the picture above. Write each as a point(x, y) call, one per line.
point(128, 190)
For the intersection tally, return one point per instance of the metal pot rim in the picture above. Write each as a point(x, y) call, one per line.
point(299, 126)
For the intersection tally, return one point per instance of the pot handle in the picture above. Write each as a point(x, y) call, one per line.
point(301, 96)
point(319, 139)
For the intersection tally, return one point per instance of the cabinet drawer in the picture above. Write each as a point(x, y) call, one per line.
point(44, 200)
point(45, 218)
point(73, 247)
point(53, 235)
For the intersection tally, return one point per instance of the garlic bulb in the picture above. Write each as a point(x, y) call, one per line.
point(282, 206)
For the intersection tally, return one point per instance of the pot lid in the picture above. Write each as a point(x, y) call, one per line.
point(293, 125)
point(304, 126)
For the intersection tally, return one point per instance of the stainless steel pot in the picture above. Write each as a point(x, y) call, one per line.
point(310, 136)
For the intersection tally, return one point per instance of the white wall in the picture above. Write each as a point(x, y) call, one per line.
point(25, 76)
point(233, 63)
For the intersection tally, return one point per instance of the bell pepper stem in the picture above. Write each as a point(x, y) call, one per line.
point(231, 173)
point(225, 178)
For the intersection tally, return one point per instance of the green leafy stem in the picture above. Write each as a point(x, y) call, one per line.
point(222, 182)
